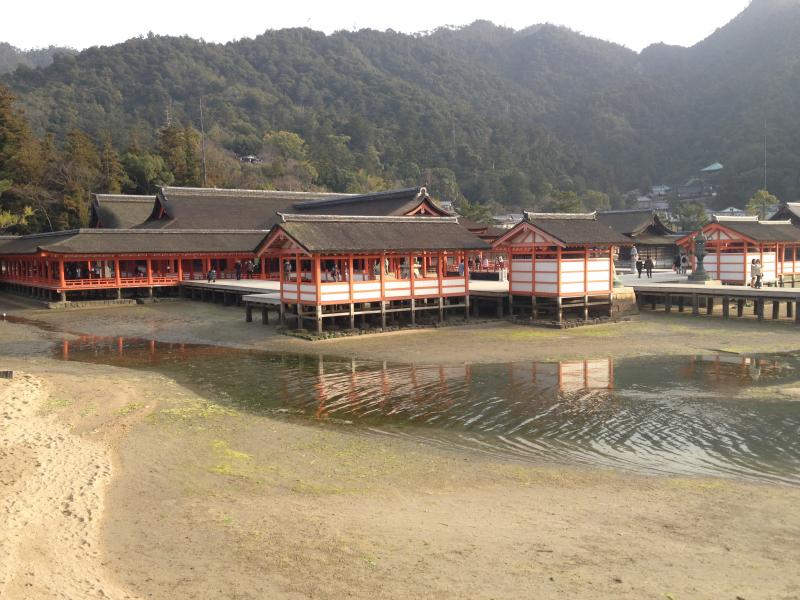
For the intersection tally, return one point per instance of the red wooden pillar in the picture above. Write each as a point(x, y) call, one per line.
point(117, 272)
point(317, 275)
point(351, 277)
point(466, 272)
point(439, 273)
point(149, 271)
point(263, 264)
point(61, 278)
point(180, 268)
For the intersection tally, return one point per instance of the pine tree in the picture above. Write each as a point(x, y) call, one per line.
point(112, 173)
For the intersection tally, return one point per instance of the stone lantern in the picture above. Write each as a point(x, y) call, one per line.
point(699, 272)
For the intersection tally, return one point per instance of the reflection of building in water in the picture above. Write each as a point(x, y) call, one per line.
point(732, 369)
point(420, 393)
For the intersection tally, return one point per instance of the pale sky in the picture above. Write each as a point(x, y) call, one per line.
point(84, 23)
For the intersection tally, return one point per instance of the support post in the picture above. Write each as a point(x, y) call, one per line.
point(789, 306)
point(265, 315)
point(726, 307)
point(559, 309)
point(776, 309)
point(695, 305)
point(668, 303)
point(681, 302)
point(318, 315)
point(710, 306)
point(760, 309)
point(740, 307)
point(248, 313)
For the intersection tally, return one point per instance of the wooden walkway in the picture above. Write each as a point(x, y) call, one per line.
point(782, 302)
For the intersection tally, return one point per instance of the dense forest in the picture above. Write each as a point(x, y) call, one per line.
point(11, 57)
point(488, 117)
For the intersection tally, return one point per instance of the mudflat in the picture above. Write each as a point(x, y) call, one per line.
point(193, 498)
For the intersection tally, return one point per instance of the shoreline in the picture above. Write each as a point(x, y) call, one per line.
point(210, 501)
point(490, 342)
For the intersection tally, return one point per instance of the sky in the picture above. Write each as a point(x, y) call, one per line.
point(83, 23)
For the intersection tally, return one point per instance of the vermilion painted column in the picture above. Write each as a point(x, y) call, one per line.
point(149, 271)
point(117, 274)
point(61, 279)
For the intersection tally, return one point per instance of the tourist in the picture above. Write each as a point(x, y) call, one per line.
point(287, 269)
point(471, 263)
point(684, 264)
point(759, 272)
point(676, 264)
point(485, 263)
point(648, 266)
point(238, 268)
point(753, 270)
point(635, 260)
point(212, 275)
point(639, 267)
point(250, 269)
point(461, 269)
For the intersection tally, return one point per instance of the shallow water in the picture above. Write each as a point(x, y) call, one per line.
point(698, 415)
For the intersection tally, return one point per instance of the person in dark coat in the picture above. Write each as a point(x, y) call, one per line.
point(639, 266)
point(238, 268)
point(648, 266)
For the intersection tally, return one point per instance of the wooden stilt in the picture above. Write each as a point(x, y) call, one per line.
point(265, 315)
point(726, 307)
point(695, 305)
point(668, 303)
point(710, 306)
point(776, 309)
point(248, 314)
point(740, 307)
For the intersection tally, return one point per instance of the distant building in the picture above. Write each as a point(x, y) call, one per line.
point(659, 191)
point(507, 221)
point(788, 211)
point(731, 211)
point(647, 231)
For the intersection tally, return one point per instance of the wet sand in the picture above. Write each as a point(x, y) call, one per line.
point(207, 501)
point(492, 342)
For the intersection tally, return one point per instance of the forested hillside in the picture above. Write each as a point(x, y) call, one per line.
point(11, 57)
point(542, 117)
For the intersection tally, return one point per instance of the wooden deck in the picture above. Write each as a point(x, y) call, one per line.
point(703, 298)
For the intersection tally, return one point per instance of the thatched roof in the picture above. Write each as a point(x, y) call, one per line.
point(120, 211)
point(339, 233)
point(133, 241)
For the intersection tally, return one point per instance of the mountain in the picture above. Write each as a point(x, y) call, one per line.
point(502, 116)
point(11, 57)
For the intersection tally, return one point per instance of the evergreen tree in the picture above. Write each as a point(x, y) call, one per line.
point(112, 173)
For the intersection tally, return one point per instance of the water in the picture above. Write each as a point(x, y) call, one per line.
point(701, 415)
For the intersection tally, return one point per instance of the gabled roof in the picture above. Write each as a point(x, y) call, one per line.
point(391, 203)
point(760, 231)
point(133, 241)
point(211, 208)
point(788, 210)
point(120, 211)
point(204, 208)
point(341, 233)
point(568, 229)
point(634, 223)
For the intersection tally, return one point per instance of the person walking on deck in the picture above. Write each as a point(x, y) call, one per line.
point(212, 275)
point(238, 268)
point(758, 272)
point(648, 266)
point(634, 258)
point(639, 267)
point(684, 264)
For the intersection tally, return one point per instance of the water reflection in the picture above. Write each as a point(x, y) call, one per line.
point(699, 414)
